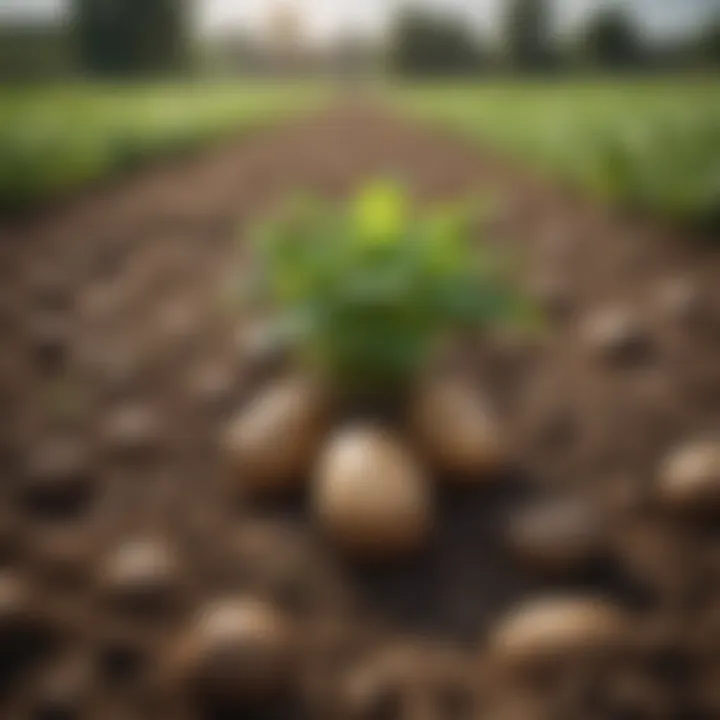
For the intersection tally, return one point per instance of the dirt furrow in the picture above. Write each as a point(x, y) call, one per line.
point(120, 366)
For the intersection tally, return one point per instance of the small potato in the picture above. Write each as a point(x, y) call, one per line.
point(370, 494)
point(556, 629)
point(240, 649)
point(274, 441)
point(458, 435)
point(690, 477)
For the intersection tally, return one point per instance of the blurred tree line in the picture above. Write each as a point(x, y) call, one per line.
point(423, 42)
point(32, 52)
point(427, 43)
point(100, 38)
point(154, 37)
point(126, 37)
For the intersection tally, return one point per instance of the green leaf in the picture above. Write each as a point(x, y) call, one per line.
point(380, 212)
point(445, 229)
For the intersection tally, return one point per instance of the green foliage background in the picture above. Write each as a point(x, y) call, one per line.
point(652, 145)
point(55, 139)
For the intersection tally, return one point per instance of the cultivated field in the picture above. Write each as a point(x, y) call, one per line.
point(571, 573)
point(54, 140)
point(649, 145)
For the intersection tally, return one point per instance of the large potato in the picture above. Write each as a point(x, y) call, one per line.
point(370, 494)
point(457, 434)
point(274, 441)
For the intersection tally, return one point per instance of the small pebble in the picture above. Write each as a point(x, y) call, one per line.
point(179, 320)
point(121, 658)
point(614, 334)
point(553, 295)
point(59, 476)
point(141, 574)
point(117, 372)
point(690, 477)
point(27, 629)
point(49, 341)
point(370, 692)
point(283, 563)
point(63, 692)
point(559, 535)
point(23, 627)
point(101, 305)
point(48, 288)
point(213, 383)
point(63, 554)
point(132, 429)
point(12, 535)
point(260, 345)
point(14, 601)
point(680, 299)
point(511, 706)
point(266, 548)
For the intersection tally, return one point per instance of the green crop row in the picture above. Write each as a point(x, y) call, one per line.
point(53, 140)
point(652, 146)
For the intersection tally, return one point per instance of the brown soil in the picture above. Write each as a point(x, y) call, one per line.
point(119, 368)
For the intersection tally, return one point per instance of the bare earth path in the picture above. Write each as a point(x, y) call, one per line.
point(119, 367)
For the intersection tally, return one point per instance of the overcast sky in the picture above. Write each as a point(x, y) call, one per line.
point(326, 18)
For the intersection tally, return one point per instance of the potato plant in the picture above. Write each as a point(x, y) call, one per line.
point(363, 291)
